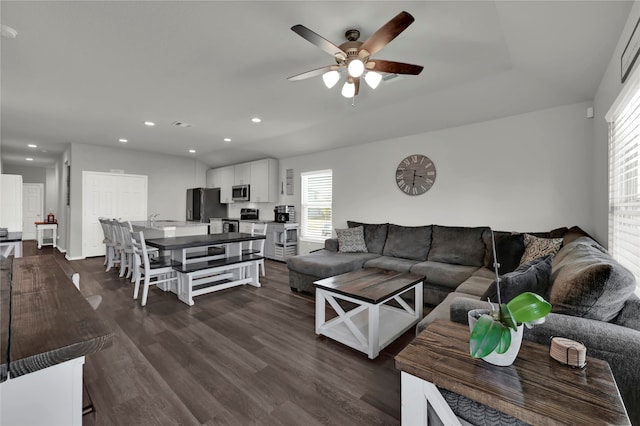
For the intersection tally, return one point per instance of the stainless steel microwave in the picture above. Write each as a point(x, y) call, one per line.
point(240, 193)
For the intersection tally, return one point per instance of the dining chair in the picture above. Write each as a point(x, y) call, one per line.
point(127, 249)
point(113, 253)
point(106, 240)
point(160, 268)
point(257, 246)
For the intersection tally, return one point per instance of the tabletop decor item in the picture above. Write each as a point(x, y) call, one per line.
point(496, 333)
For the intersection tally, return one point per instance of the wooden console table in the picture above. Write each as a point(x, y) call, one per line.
point(535, 389)
point(44, 338)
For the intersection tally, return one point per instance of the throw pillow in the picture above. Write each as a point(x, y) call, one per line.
point(458, 245)
point(375, 235)
point(509, 251)
point(589, 283)
point(351, 240)
point(533, 276)
point(408, 242)
point(535, 247)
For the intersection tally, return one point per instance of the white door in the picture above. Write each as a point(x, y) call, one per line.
point(32, 209)
point(112, 195)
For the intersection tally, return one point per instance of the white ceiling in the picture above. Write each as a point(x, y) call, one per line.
point(91, 72)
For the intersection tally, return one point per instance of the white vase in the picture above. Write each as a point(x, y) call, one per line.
point(494, 358)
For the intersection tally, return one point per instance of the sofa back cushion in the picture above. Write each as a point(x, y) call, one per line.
point(458, 245)
point(509, 250)
point(409, 242)
point(587, 282)
point(375, 235)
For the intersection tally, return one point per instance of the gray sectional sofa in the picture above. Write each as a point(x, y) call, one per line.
point(592, 295)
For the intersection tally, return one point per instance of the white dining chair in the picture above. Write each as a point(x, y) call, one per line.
point(160, 268)
point(113, 253)
point(257, 246)
point(106, 240)
point(127, 249)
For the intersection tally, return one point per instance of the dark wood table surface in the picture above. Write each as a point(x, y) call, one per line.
point(177, 243)
point(51, 322)
point(11, 237)
point(371, 285)
point(536, 388)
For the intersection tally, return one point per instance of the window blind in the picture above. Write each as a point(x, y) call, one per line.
point(317, 195)
point(624, 185)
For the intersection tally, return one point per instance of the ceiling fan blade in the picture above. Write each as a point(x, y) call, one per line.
point(356, 82)
point(319, 41)
point(393, 67)
point(312, 73)
point(385, 34)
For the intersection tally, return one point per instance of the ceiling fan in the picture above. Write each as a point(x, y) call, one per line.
point(354, 56)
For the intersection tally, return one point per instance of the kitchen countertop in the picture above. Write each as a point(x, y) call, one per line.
point(164, 224)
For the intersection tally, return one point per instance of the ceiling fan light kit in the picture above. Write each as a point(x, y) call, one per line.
point(355, 56)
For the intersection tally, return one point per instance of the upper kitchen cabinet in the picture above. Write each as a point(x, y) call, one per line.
point(242, 174)
point(214, 178)
point(264, 181)
point(227, 176)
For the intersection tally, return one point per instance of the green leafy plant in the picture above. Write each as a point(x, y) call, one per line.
point(492, 331)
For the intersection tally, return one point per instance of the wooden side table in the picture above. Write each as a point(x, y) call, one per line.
point(41, 227)
point(535, 389)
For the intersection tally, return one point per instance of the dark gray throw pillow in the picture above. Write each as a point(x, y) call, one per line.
point(458, 245)
point(509, 250)
point(375, 235)
point(408, 242)
point(533, 276)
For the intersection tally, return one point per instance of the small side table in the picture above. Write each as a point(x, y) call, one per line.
point(535, 389)
point(41, 227)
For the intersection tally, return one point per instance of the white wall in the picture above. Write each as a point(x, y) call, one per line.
point(168, 179)
point(607, 92)
point(529, 172)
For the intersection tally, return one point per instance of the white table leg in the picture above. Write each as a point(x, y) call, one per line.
point(374, 331)
point(417, 395)
point(320, 308)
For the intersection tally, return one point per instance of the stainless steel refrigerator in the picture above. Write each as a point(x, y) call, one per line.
point(204, 203)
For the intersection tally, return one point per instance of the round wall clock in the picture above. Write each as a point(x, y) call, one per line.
point(415, 174)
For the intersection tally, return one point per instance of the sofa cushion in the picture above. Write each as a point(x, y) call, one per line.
point(391, 263)
point(457, 245)
point(573, 234)
point(509, 251)
point(351, 240)
point(475, 285)
point(324, 263)
point(629, 316)
point(409, 242)
point(587, 282)
point(443, 274)
point(533, 276)
point(375, 235)
point(535, 247)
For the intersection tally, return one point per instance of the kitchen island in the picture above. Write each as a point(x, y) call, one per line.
point(170, 228)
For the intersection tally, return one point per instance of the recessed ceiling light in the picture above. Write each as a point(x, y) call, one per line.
point(193, 151)
point(149, 123)
point(256, 120)
point(123, 140)
point(227, 139)
point(29, 159)
point(32, 145)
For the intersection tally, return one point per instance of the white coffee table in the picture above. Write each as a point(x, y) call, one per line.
point(380, 315)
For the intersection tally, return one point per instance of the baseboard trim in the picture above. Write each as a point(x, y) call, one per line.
point(74, 258)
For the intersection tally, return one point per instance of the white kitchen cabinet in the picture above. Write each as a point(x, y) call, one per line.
point(214, 178)
point(226, 182)
point(242, 175)
point(11, 202)
point(264, 181)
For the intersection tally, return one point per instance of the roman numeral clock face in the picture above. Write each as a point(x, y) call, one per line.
point(415, 174)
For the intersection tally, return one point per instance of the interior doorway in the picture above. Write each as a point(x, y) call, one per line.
point(32, 208)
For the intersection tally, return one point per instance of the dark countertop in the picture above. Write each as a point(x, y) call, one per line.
point(11, 237)
point(50, 320)
point(177, 243)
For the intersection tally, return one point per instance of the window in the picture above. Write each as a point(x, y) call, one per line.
point(624, 185)
point(317, 194)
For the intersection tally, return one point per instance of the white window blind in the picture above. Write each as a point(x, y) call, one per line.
point(317, 194)
point(624, 185)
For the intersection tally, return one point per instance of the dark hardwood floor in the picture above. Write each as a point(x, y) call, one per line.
point(241, 356)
